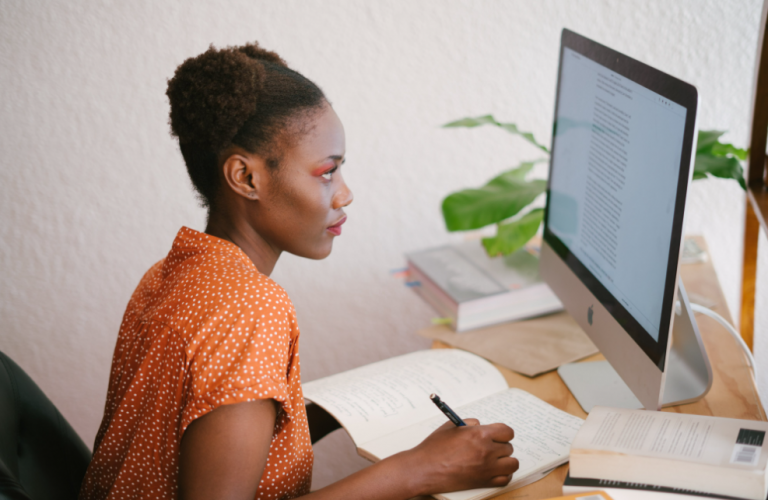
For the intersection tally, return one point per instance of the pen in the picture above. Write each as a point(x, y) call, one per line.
point(457, 421)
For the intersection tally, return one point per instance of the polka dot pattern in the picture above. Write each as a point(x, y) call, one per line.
point(203, 329)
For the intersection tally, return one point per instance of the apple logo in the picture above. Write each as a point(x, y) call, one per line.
point(590, 312)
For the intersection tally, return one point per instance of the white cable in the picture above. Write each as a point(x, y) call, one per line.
point(712, 314)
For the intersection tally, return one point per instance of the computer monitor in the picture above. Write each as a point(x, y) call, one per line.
point(622, 151)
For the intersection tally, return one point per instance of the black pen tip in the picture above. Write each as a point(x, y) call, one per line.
point(434, 397)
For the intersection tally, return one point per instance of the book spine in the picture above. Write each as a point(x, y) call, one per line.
point(433, 295)
point(579, 485)
point(671, 473)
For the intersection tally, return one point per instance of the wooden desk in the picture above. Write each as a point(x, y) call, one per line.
point(733, 393)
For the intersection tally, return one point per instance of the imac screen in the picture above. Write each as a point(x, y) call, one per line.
point(613, 189)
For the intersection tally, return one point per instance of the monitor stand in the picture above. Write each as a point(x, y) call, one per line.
point(689, 374)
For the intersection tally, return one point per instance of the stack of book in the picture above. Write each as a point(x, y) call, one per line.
point(647, 454)
point(473, 290)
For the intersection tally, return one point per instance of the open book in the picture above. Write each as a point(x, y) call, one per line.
point(385, 408)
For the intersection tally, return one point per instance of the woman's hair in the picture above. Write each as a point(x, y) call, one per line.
point(238, 96)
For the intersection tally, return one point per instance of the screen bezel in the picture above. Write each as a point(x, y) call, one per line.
point(676, 91)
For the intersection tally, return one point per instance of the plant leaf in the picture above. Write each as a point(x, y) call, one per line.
point(490, 120)
point(725, 149)
point(698, 175)
point(512, 236)
point(707, 139)
point(514, 175)
point(472, 122)
point(718, 159)
point(725, 167)
point(709, 142)
point(501, 198)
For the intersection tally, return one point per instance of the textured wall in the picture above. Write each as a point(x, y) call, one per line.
point(94, 189)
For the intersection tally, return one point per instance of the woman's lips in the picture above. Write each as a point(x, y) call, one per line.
point(336, 228)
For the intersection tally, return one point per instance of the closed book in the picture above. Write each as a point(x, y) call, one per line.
point(621, 490)
point(719, 456)
point(463, 283)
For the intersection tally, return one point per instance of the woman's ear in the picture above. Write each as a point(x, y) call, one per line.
point(243, 173)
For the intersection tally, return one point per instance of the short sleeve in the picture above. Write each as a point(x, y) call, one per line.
point(247, 359)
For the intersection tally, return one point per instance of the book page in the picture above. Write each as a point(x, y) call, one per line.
point(692, 438)
point(377, 399)
point(542, 432)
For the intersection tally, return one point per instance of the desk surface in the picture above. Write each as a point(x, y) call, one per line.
point(733, 393)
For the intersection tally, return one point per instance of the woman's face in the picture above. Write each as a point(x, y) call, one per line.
point(301, 209)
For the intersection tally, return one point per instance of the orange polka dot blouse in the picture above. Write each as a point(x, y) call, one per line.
point(203, 329)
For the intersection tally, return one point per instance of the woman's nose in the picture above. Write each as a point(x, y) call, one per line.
point(342, 197)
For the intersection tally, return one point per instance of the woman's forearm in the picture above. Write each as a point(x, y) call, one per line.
point(395, 478)
point(450, 459)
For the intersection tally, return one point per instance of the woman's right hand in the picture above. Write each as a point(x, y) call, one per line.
point(461, 458)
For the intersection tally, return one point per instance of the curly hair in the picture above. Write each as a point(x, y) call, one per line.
point(243, 96)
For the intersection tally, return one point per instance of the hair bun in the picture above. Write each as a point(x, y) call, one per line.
point(253, 51)
point(213, 94)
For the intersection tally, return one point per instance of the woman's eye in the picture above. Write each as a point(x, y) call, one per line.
point(329, 174)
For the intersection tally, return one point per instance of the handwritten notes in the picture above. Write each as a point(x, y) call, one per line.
point(542, 432)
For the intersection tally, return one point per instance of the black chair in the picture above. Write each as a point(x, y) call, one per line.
point(41, 456)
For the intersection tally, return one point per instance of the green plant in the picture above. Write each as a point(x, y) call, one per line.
point(502, 199)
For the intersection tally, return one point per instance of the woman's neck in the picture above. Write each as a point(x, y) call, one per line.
point(236, 230)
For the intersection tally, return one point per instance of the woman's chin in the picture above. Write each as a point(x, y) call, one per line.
point(316, 253)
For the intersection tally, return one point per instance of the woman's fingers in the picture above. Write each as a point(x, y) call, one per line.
point(500, 481)
point(503, 471)
point(503, 450)
point(501, 433)
point(507, 465)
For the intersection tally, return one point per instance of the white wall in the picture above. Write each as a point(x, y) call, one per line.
point(93, 188)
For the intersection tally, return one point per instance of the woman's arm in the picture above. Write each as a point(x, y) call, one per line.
point(223, 455)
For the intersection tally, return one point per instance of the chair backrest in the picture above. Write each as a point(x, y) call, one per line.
point(41, 456)
point(756, 211)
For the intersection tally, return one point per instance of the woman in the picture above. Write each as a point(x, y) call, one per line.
point(205, 396)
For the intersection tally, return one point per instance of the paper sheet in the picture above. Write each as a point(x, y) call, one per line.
point(530, 347)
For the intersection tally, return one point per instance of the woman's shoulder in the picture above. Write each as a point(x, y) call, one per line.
point(225, 292)
point(236, 277)
point(146, 290)
point(254, 293)
point(204, 266)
